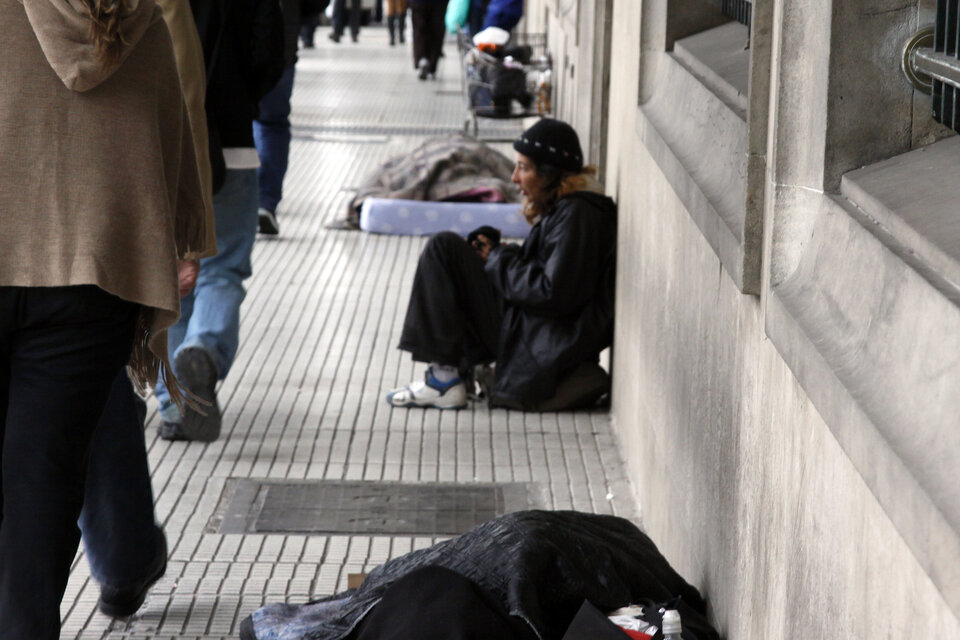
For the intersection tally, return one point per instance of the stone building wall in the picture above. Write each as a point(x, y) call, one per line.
point(787, 351)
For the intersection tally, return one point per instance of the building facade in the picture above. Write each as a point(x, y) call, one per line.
point(787, 350)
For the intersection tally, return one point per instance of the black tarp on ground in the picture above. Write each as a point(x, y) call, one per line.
point(541, 565)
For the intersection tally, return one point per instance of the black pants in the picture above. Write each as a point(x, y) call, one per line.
point(478, 11)
point(340, 18)
point(428, 32)
point(454, 313)
point(125, 547)
point(60, 351)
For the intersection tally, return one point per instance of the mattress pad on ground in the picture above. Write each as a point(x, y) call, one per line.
point(420, 217)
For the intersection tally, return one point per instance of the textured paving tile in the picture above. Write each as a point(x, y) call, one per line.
point(305, 397)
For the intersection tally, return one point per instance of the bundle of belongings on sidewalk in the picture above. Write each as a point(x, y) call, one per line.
point(497, 73)
point(522, 576)
point(449, 183)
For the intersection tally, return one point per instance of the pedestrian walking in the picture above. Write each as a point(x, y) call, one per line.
point(243, 48)
point(271, 129)
point(396, 20)
point(342, 16)
point(429, 30)
point(124, 545)
point(92, 232)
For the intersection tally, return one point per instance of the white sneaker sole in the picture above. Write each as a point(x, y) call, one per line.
point(406, 397)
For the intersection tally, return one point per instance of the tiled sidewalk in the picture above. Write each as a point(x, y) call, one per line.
point(305, 397)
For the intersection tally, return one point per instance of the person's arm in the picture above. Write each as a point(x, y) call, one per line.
point(564, 274)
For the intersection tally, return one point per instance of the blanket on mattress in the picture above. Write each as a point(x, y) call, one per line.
point(448, 168)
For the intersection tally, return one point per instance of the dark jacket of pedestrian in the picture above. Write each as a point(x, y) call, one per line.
point(505, 14)
point(243, 48)
point(293, 12)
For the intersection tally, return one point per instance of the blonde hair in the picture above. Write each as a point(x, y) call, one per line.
point(555, 184)
point(105, 16)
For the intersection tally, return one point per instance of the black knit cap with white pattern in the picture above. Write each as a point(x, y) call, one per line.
point(551, 142)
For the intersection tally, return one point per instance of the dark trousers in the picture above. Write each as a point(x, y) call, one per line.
point(428, 32)
point(454, 313)
point(271, 134)
point(340, 17)
point(125, 547)
point(60, 351)
point(307, 28)
point(478, 11)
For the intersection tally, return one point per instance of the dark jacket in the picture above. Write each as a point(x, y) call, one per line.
point(293, 12)
point(558, 291)
point(243, 49)
point(504, 14)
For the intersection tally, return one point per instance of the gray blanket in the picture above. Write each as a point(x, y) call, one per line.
point(439, 169)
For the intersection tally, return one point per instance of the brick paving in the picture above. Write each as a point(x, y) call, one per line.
point(305, 399)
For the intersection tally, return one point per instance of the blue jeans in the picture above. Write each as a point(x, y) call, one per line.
point(210, 316)
point(271, 133)
point(125, 546)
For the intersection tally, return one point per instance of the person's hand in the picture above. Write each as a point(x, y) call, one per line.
point(187, 272)
point(483, 239)
point(482, 245)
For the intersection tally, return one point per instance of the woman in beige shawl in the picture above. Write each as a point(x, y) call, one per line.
point(99, 196)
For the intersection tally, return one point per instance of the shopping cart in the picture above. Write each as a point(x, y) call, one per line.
point(510, 81)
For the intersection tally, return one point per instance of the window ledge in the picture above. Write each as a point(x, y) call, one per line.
point(910, 202)
point(720, 60)
point(873, 340)
point(694, 126)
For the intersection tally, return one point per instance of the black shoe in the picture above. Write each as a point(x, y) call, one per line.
point(353, 37)
point(123, 603)
point(334, 36)
point(268, 222)
point(171, 432)
point(195, 371)
point(422, 66)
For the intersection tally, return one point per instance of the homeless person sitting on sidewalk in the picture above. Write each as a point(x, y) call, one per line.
point(543, 311)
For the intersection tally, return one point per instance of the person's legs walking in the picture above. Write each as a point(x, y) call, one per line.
point(63, 348)
point(355, 19)
point(212, 332)
point(271, 133)
point(391, 29)
point(437, 29)
point(419, 17)
point(307, 29)
point(339, 20)
point(125, 547)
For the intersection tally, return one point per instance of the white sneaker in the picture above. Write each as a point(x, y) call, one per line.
point(427, 393)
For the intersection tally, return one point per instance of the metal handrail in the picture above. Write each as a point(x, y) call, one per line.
point(934, 68)
point(938, 65)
